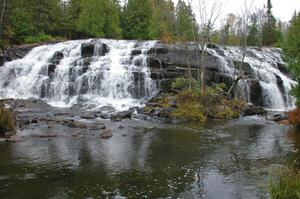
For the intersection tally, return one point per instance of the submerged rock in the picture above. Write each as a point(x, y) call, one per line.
point(106, 134)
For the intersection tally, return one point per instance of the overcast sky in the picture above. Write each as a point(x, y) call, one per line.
point(282, 9)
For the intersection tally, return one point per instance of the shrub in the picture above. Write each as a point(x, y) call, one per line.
point(294, 117)
point(286, 185)
point(189, 106)
point(184, 84)
point(7, 120)
point(42, 37)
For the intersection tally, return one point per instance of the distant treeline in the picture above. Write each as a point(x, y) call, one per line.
point(29, 21)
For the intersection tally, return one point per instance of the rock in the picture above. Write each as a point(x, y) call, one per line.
point(136, 52)
point(87, 50)
point(107, 109)
point(278, 117)
point(57, 57)
point(121, 127)
point(34, 121)
point(106, 134)
point(250, 111)
point(2, 60)
point(105, 116)
point(256, 93)
point(74, 124)
point(87, 116)
point(122, 115)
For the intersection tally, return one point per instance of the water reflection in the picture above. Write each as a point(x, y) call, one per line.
point(219, 160)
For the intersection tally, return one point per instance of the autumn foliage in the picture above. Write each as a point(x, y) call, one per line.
point(294, 117)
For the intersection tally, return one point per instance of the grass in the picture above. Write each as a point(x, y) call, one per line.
point(7, 120)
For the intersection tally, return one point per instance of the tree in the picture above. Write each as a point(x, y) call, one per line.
point(291, 49)
point(269, 27)
point(91, 19)
point(185, 22)
point(21, 23)
point(111, 27)
point(253, 32)
point(136, 19)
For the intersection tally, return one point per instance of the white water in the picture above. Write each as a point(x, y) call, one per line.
point(264, 64)
point(108, 80)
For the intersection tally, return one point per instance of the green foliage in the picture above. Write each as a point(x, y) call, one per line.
point(269, 27)
point(91, 19)
point(7, 120)
point(184, 84)
point(136, 19)
point(286, 185)
point(210, 103)
point(112, 22)
point(21, 23)
point(253, 33)
point(291, 49)
point(42, 37)
point(186, 25)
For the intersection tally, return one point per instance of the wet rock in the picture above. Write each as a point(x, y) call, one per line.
point(87, 50)
point(278, 117)
point(256, 93)
point(2, 60)
point(57, 57)
point(106, 134)
point(34, 121)
point(87, 116)
point(105, 116)
point(74, 124)
point(122, 115)
point(250, 111)
point(107, 109)
point(121, 127)
point(136, 52)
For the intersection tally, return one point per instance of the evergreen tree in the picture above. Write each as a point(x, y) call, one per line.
point(253, 32)
point(112, 22)
point(91, 19)
point(269, 28)
point(186, 25)
point(292, 52)
point(136, 19)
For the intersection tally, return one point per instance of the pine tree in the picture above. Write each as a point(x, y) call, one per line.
point(112, 22)
point(91, 19)
point(136, 19)
point(253, 32)
point(269, 28)
point(292, 52)
point(186, 25)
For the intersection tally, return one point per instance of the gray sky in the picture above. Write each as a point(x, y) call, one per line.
point(282, 9)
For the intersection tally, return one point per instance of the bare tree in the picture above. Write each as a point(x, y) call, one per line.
point(208, 12)
point(243, 31)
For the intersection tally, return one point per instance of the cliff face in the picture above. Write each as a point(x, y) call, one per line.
point(266, 80)
point(80, 71)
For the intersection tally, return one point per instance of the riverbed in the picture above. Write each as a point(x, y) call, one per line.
point(145, 159)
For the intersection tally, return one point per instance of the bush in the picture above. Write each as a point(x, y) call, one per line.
point(294, 117)
point(211, 103)
point(285, 186)
point(189, 106)
point(42, 37)
point(184, 84)
point(7, 120)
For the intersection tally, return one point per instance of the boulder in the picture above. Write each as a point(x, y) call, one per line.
point(57, 57)
point(106, 134)
point(136, 52)
point(87, 50)
point(278, 118)
point(250, 111)
point(87, 115)
point(122, 115)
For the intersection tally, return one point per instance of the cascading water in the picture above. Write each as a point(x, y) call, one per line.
point(260, 66)
point(105, 73)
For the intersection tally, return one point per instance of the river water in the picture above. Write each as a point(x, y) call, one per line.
point(233, 159)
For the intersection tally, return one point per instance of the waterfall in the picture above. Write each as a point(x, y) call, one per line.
point(63, 74)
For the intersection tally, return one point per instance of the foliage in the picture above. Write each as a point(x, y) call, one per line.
point(42, 37)
point(184, 84)
point(7, 120)
point(286, 185)
point(291, 49)
point(189, 107)
point(294, 117)
point(210, 103)
point(186, 25)
point(136, 19)
point(269, 27)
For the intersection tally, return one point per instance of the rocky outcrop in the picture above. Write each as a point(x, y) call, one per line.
point(90, 49)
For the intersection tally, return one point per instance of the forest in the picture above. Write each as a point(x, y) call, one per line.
point(30, 21)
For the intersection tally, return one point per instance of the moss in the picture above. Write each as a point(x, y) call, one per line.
point(7, 120)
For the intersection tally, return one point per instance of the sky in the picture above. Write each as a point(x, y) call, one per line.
point(282, 9)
